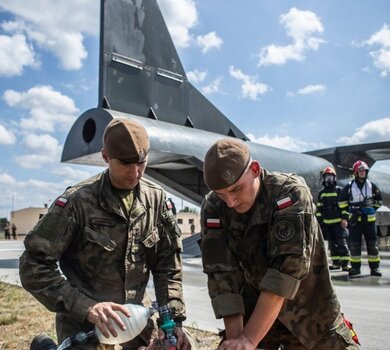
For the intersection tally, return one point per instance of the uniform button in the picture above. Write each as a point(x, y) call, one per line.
point(130, 295)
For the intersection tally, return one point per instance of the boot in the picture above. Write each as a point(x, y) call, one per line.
point(346, 267)
point(354, 272)
point(334, 266)
point(376, 272)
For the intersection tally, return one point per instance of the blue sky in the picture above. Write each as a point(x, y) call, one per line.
point(299, 75)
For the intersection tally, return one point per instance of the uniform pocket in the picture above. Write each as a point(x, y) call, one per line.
point(100, 238)
point(151, 239)
point(97, 251)
point(52, 227)
point(216, 255)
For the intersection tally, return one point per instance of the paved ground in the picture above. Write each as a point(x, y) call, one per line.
point(365, 300)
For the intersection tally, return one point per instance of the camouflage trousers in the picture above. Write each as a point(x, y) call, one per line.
point(337, 337)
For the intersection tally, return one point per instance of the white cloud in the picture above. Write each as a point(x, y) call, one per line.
point(301, 27)
point(44, 144)
point(373, 131)
point(59, 28)
point(44, 149)
point(250, 88)
point(34, 161)
point(382, 55)
point(284, 142)
point(274, 54)
point(69, 173)
point(23, 194)
point(381, 37)
point(15, 55)
point(180, 16)
point(7, 180)
point(312, 89)
point(209, 41)
point(48, 108)
point(7, 137)
point(196, 76)
point(212, 88)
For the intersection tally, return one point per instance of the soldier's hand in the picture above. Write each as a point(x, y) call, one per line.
point(344, 224)
point(182, 341)
point(103, 314)
point(158, 344)
point(240, 343)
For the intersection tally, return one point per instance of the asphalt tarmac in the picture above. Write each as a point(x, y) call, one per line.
point(364, 300)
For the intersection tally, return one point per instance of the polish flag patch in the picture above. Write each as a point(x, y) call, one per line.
point(213, 223)
point(61, 201)
point(169, 204)
point(284, 202)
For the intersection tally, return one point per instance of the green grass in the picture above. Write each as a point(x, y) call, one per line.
point(22, 318)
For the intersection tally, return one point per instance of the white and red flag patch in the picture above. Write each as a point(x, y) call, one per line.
point(213, 223)
point(284, 202)
point(61, 201)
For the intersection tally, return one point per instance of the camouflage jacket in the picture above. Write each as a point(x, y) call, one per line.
point(104, 254)
point(276, 247)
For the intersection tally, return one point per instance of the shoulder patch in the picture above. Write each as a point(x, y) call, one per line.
point(284, 230)
point(213, 223)
point(169, 204)
point(61, 201)
point(284, 202)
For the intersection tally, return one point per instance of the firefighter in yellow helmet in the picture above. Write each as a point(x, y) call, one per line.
point(359, 200)
point(329, 216)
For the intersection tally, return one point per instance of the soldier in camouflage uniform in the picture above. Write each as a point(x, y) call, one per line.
point(107, 233)
point(265, 258)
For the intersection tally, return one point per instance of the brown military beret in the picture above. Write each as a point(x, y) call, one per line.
point(126, 140)
point(225, 162)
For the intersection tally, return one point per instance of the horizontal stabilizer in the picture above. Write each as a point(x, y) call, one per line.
point(345, 156)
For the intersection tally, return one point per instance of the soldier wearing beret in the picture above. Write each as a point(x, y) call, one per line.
point(107, 233)
point(265, 258)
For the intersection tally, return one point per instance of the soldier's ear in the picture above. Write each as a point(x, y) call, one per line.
point(255, 168)
point(104, 155)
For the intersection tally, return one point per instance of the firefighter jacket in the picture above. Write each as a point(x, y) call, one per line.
point(328, 210)
point(276, 246)
point(104, 254)
point(359, 201)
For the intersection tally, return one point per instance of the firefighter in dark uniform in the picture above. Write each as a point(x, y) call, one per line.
point(359, 201)
point(329, 216)
point(265, 258)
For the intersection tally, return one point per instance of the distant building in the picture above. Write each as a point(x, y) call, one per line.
point(25, 219)
point(185, 220)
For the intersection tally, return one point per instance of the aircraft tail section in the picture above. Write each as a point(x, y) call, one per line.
point(141, 73)
point(343, 157)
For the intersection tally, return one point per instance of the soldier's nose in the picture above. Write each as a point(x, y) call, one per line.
point(133, 171)
point(231, 202)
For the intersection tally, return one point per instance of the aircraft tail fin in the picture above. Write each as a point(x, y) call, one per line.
point(141, 73)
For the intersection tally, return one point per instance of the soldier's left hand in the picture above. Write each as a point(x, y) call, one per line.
point(240, 343)
point(182, 341)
